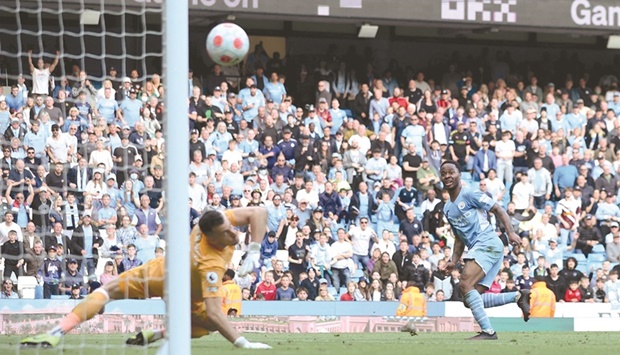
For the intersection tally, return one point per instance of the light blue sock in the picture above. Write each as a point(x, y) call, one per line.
point(498, 299)
point(473, 300)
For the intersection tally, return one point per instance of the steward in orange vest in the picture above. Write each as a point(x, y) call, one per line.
point(412, 303)
point(231, 299)
point(542, 300)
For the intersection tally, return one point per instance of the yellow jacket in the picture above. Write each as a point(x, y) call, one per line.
point(542, 301)
point(412, 303)
point(231, 297)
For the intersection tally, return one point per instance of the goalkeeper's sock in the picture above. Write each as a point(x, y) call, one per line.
point(84, 311)
point(157, 334)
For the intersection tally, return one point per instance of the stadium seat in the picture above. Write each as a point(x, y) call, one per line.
point(332, 291)
point(357, 274)
point(580, 258)
point(583, 268)
point(343, 290)
point(466, 176)
point(282, 255)
point(593, 265)
point(26, 286)
point(598, 249)
point(60, 297)
point(596, 258)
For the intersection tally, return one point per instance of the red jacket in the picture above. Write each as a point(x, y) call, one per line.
point(346, 297)
point(570, 295)
point(268, 291)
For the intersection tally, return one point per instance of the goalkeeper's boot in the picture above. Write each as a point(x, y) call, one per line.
point(145, 337)
point(41, 340)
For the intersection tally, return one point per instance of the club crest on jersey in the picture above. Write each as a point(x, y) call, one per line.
point(212, 277)
point(461, 205)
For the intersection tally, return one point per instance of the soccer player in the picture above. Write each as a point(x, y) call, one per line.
point(467, 212)
point(212, 243)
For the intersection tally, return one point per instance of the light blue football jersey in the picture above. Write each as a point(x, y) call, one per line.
point(469, 218)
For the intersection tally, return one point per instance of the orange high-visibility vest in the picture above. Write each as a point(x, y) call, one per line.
point(232, 297)
point(542, 301)
point(412, 303)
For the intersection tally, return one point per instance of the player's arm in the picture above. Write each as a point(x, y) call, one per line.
point(30, 65)
point(256, 219)
point(504, 219)
point(218, 322)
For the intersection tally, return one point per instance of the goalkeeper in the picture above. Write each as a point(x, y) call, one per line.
point(212, 243)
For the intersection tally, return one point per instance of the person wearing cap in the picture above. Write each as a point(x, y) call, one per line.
point(76, 292)
point(324, 294)
point(72, 276)
point(58, 146)
point(50, 272)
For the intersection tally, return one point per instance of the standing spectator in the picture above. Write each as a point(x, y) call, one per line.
point(556, 283)
point(13, 253)
point(298, 257)
point(146, 244)
point(148, 216)
point(50, 272)
point(85, 244)
point(41, 74)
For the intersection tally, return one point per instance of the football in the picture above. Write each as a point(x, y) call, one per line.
point(227, 44)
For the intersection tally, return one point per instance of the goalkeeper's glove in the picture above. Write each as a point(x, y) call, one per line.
point(251, 259)
point(243, 343)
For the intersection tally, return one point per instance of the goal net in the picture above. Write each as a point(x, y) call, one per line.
point(88, 87)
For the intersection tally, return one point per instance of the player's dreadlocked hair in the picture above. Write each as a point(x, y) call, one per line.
point(209, 220)
point(448, 161)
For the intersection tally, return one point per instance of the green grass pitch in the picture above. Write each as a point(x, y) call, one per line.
point(551, 343)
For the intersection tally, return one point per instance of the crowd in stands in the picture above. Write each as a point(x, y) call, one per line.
point(346, 164)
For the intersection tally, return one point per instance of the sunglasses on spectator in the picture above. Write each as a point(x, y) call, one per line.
point(363, 222)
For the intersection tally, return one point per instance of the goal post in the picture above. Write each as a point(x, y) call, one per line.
point(176, 68)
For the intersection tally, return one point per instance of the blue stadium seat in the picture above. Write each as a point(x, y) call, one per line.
point(612, 265)
point(466, 176)
point(580, 258)
point(596, 257)
point(593, 265)
point(583, 268)
point(598, 249)
point(357, 274)
point(332, 291)
point(348, 112)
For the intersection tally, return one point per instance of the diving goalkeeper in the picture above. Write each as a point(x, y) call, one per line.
point(212, 244)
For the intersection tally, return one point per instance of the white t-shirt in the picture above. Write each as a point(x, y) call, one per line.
point(58, 147)
point(41, 81)
point(360, 240)
point(341, 248)
point(504, 149)
point(495, 187)
point(521, 195)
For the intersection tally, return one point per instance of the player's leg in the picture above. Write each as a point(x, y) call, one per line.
point(495, 299)
point(471, 290)
point(84, 311)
